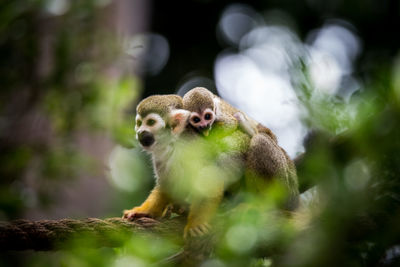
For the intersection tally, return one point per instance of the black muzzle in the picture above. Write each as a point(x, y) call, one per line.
point(146, 138)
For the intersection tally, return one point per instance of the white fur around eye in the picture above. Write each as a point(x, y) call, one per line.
point(138, 122)
point(158, 121)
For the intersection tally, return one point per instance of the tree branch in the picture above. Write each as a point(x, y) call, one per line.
point(52, 234)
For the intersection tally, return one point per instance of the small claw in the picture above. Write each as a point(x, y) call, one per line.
point(197, 231)
point(125, 214)
point(131, 216)
point(203, 228)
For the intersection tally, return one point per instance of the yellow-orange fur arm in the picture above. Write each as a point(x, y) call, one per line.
point(201, 212)
point(153, 206)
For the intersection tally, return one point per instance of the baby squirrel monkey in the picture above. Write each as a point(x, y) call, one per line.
point(265, 159)
point(207, 109)
point(160, 124)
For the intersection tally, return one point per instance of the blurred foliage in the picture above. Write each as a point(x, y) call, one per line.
point(57, 80)
point(60, 80)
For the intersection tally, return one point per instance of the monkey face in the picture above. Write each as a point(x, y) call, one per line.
point(148, 128)
point(203, 120)
point(154, 130)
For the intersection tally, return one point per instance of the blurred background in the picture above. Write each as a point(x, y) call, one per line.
point(72, 73)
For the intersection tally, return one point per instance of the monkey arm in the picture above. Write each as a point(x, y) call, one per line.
point(153, 206)
point(202, 211)
point(252, 127)
point(247, 125)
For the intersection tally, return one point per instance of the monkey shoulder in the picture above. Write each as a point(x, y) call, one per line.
point(265, 130)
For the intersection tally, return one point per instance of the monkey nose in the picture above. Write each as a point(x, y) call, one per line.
point(146, 138)
point(203, 126)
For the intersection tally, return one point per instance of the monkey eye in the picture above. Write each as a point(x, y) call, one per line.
point(207, 116)
point(138, 123)
point(150, 122)
point(196, 119)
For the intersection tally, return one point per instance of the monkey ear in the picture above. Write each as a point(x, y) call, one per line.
point(178, 120)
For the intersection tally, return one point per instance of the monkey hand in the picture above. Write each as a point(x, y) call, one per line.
point(196, 229)
point(138, 212)
point(201, 213)
point(152, 207)
point(239, 116)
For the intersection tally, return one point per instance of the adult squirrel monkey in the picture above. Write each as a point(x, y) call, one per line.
point(160, 125)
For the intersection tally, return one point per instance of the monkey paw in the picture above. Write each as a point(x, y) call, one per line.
point(196, 230)
point(239, 116)
point(135, 213)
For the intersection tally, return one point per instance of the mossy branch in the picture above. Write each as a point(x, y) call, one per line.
point(52, 234)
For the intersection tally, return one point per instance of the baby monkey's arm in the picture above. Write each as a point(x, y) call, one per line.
point(252, 127)
point(247, 125)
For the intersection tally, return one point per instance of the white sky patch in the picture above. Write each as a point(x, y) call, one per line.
point(332, 51)
point(258, 79)
point(325, 71)
point(264, 96)
point(272, 47)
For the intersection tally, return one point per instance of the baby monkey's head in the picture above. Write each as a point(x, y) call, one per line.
point(201, 103)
